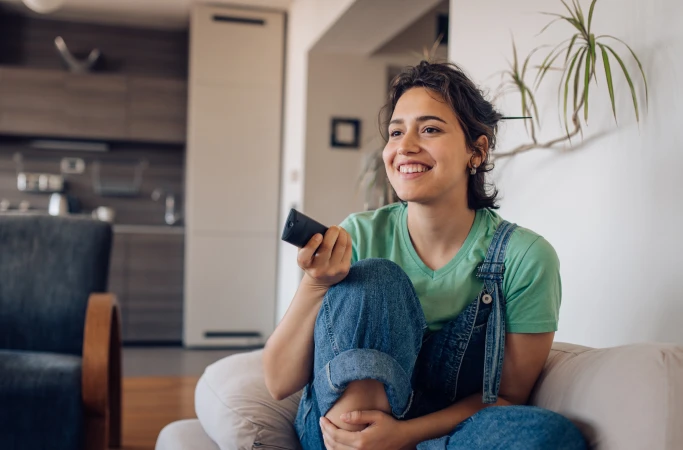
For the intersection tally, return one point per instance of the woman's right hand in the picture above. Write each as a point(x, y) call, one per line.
point(326, 260)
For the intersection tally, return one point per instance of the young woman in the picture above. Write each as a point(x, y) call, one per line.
point(426, 323)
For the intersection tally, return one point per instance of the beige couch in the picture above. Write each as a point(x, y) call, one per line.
point(622, 398)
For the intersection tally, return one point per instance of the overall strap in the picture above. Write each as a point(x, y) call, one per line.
point(493, 266)
point(492, 271)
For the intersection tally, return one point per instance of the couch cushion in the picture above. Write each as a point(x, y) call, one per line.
point(184, 435)
point(237, 411)
point(40, 401)
point(628, 397)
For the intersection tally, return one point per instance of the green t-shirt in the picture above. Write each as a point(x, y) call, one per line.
point(531, 285)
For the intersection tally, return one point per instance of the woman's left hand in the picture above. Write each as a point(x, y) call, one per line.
point(383, 432)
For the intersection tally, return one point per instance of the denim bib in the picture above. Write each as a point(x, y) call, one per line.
point(466, 355)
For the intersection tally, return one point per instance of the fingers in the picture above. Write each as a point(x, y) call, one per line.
point(306, 253)
point(325, 250)
point(343, 241)
point(334, 438)
point(360, 417)
point(348, 253)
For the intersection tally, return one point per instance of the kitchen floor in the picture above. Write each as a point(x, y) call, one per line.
point(169, 361)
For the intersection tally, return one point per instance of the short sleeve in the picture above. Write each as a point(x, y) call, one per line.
point(351, 226)
point(533, 290)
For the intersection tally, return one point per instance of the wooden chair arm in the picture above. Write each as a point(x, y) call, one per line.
point(101, 373)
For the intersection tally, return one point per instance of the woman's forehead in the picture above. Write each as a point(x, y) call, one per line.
point(420, 101)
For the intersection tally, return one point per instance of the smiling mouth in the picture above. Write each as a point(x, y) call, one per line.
point(413, 168)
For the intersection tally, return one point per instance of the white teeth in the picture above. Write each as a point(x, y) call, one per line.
point(412, 168)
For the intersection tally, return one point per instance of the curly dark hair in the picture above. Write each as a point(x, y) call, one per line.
point(476, 116)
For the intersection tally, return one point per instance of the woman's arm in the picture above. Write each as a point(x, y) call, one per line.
point(288, 354)
point(525, 357)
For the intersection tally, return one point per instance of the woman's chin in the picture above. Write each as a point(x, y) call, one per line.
point(412, 196)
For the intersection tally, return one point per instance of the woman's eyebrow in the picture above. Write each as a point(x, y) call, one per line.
point(419, 119)
point(426, 118)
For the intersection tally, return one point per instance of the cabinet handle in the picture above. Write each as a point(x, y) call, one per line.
point(232, 334)
point(233, 19)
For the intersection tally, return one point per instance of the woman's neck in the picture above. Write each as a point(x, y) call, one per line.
point(438, 230)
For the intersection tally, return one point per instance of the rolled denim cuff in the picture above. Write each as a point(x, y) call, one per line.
point(363, 364)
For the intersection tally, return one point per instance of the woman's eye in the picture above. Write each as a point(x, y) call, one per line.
point(431, 130)
point(394, 133)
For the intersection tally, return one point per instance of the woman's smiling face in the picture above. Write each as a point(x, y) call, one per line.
point(426, 156)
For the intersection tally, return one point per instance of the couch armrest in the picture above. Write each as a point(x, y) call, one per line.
point(628, 397)
point(101, 388)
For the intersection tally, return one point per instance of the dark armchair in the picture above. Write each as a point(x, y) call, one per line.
point(60, 346)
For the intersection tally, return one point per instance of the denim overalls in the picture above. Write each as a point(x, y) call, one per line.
point(371, 326)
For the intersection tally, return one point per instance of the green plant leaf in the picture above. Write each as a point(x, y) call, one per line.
point(576, 18)
point(586, 84)
point(571, 11)
point(527, 59)
point(569, 49)
point(533, 104)
point(593, 55)
point(522, 91)
point(578, 25)
point(579, 11)
point(628, 79)
point(544, 68)
point(514, 54)
point(608, 76)
point(548, 25)
point(577, 78)
point(547, 58)
point(640, 66)
point(575, 23)
point(590, 15)
point(566, 88)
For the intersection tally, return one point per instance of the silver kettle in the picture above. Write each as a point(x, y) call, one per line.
point(58, 206)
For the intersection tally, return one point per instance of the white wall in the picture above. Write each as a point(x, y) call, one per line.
point(612, 209)
point(307, 21)
point(346, 86)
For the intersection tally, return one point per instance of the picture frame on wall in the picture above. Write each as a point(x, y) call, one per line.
point(345, 133)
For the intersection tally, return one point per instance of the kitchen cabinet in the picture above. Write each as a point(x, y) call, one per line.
point(95, 106)
point(157, 109)
point(146, 274)
point(53, 103)
point(32, 100)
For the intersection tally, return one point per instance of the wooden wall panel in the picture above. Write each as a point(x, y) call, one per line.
point(29, 42)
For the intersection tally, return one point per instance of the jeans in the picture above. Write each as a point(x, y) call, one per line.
point(371, 326)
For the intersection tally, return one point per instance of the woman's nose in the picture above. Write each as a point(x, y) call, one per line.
point(408, 145)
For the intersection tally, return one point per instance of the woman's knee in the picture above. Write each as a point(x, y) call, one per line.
point(375, 307)
point(376, 289)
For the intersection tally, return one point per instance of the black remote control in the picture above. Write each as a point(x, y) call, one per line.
point(299, 228)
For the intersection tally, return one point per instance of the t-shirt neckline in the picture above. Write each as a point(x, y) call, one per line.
point(464, 250)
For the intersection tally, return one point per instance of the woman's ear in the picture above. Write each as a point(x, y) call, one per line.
point(482, 146)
